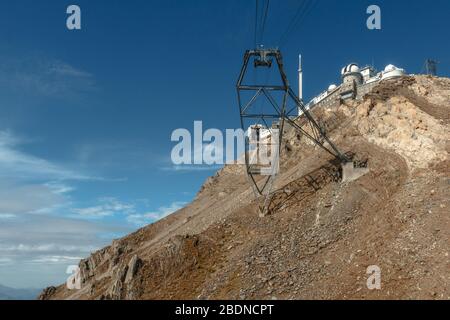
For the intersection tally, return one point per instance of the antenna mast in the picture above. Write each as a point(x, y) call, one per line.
point(431, 67)
point(300, 78)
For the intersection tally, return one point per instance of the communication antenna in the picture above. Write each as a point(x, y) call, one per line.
point(300, 78)
point(431, 67)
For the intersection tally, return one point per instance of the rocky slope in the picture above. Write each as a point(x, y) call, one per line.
point(320, 235)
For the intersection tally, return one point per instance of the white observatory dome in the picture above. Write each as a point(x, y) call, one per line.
point(351, 68)
point(392, 71)
point(389, 68)
point(332, 87)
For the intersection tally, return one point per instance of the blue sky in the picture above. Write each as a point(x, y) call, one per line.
point(86, 116)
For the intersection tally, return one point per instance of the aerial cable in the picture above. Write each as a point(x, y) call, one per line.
point(304, 11)
point(302, 14)
point(294, 18)
point(263, 25)
point(313, 5)
point(256, 23)
point(308, 10)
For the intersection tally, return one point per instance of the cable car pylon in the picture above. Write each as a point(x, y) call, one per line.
point(264, 111)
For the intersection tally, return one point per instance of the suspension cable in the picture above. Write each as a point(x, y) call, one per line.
point(302, 12)
point(256, 24)
point(294, 18)
point(263, 25)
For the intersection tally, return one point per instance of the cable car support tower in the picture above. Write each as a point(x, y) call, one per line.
point(265, 111)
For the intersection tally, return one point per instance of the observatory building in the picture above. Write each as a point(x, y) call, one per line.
point(356, 82)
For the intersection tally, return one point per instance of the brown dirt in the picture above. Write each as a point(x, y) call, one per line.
point(320, 235)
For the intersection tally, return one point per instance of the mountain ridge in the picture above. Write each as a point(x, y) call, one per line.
point(320, 235)
point(7, 293)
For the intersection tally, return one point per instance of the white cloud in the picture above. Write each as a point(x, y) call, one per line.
point(149, 217)
point(35, 250)
point(17, 164)
point(59, 187)
point(22, 199)
point(56, 259)
point(7, 216)
point(46, 247)
point(64, 69)
point(29, 184)
point(43, 76)
point(5, 261)
point(108, 207)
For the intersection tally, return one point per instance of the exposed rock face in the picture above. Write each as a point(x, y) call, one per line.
point(115, 292)
point(320, 235)
point(47, 293)
point(123, 276)
point(133, 267)
point(401, 123)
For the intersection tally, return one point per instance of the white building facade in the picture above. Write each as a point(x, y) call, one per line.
point(356, 82)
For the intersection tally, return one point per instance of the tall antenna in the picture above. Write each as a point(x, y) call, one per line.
point(300, 78)
point(431, 67)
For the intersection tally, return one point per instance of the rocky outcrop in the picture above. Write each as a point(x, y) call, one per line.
point(132, 269)
point(47, 293)
point(122, 278)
